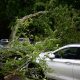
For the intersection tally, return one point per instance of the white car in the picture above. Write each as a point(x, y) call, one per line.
point(64, 62)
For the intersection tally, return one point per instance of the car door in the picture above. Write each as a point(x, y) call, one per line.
point(76, 70)
point(62, 65)
point(76, 63)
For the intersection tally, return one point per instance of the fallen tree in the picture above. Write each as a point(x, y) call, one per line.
point(15, 27)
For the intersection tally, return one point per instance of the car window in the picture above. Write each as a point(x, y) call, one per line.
point(69, 53)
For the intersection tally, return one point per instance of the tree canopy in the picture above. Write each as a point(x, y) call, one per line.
point(61, 21)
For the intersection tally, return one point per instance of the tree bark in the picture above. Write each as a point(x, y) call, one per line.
point(33, 15)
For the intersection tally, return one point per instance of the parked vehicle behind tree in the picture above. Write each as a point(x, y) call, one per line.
point(63, 62)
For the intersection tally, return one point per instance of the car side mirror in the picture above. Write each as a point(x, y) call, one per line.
point(51, 56)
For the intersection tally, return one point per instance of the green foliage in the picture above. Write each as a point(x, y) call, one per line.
point(40, 6)
point(65, 26)
point(23, 28)
point(19, 53)
point(51, 44)
point(59, 23)
point(16, 55)
point(73, 3)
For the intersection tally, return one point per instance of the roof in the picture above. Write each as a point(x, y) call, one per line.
point(63, 47)
point(72, 45)
point(67, 46)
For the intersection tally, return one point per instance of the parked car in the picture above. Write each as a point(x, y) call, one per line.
point(64, 62)
point(21, 39)
point(4, 41)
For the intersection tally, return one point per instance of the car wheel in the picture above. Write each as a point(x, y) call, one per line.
point(34, 71)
